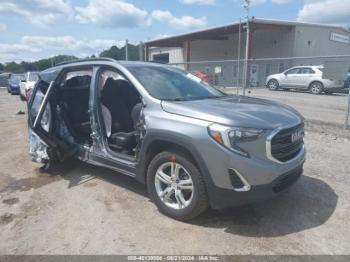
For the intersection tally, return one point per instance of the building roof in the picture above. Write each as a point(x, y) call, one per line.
point(221, 32)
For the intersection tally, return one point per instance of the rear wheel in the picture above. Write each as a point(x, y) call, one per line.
point(176, 186)
point(316, 88)
point(273, 85)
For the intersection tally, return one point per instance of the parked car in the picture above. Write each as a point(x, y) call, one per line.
point(14, 82)
point(304, 78)
point(4, 79)
point(347, 81)
point(193, 145)
point(27, 84)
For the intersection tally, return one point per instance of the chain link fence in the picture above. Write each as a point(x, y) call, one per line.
point(331, 79)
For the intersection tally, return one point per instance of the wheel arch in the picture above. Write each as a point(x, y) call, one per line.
point(157, 143)
point(315, 81)
point(273, 79)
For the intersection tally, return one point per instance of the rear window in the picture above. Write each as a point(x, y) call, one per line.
point(78, 79)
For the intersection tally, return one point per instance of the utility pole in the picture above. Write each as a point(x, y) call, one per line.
point(246, 6)
point(127, 50)
point(239, 54)
point(347, 113)
point(141, 56)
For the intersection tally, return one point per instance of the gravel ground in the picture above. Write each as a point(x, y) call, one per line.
point(81, 209)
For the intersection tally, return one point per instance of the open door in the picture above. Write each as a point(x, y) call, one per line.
point(44, 145)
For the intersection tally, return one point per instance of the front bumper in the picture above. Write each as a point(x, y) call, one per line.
point(221, 198)
point(14, 89)
point(260, 173)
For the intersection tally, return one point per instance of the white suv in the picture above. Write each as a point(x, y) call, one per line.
point(27, 85)
point(306, 78)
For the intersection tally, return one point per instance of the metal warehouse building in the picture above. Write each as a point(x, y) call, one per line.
point(273, 47)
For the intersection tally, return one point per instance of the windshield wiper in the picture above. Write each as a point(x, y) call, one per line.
point(175, 99)
point(209, 97)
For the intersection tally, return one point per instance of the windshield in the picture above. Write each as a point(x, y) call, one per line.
point(170, 83)
point(33, 77)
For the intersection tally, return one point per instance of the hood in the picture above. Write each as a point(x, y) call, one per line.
point(274, 75)
point(237, 111)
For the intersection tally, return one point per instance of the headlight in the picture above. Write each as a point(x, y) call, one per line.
point(232, 137)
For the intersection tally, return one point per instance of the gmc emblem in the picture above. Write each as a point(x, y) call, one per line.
point(297, 135)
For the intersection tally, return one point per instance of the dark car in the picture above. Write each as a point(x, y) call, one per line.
point(347, 81)
point(14, 83)
point(4, 79)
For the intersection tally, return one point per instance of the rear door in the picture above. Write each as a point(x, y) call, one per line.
point(291, 77)
point(304, 78)
point(43, 143)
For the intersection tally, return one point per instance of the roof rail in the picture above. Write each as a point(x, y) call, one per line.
point(87, 60)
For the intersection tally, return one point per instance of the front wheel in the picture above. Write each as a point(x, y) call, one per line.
point(316, 88)
point(176, 186)
point(273, 85)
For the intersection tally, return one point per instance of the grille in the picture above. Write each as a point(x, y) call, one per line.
point(287, 179)
point(282, 146)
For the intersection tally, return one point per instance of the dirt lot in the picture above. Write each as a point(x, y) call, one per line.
point(81, 209)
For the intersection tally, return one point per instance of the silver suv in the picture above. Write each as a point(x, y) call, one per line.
point(192, 145)
point(304, 78)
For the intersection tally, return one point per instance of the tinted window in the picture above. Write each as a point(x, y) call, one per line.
point(293, 71)
point(169, 83)
point(306, 71)
point(77, 79)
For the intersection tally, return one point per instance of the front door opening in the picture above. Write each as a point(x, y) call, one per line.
point(120, 106)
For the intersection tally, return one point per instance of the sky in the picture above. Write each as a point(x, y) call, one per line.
point(34, 29)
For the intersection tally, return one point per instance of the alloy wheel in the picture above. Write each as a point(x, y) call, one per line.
point(174, 185)
point(316, 88)
point(273, 85)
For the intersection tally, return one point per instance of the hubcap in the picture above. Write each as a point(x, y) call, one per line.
point(316, 88)
point(174, 185)
point(273, 85)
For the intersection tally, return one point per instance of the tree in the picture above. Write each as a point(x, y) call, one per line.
point(119, 53)
point(113, 52)
point(13, 67)
point(42, 64)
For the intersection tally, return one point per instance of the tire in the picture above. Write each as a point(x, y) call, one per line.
point(193, 202)
point(316, 88)
point(273, 85)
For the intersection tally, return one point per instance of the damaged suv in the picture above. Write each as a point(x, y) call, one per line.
point(193, 145)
